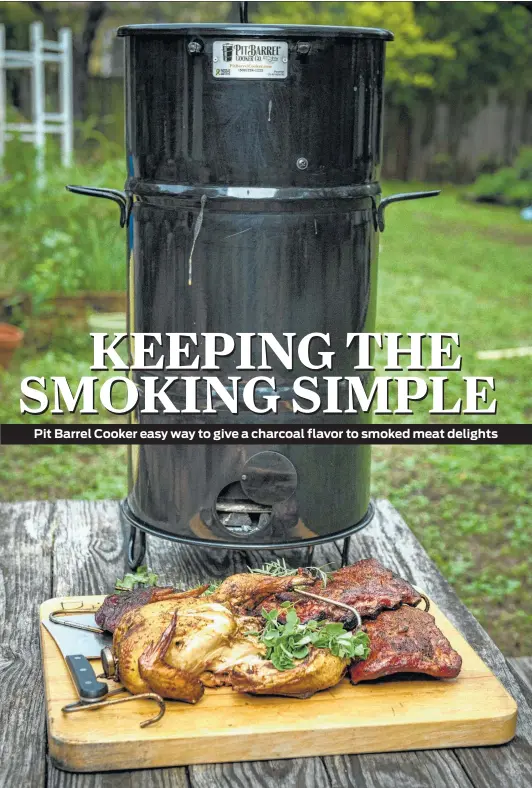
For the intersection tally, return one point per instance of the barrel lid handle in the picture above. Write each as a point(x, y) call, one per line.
point(400, 198)
point(120, 198)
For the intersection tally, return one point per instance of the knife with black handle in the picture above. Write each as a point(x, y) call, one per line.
point(87, 685)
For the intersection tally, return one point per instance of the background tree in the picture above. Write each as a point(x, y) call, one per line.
point(87, 20)
point(410, 61)
point(84, 19)
point(444, 53)
point(493, 51)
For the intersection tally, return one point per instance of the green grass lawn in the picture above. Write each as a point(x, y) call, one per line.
point(445, 265)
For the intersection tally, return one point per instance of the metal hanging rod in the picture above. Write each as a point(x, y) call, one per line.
point(244, 13)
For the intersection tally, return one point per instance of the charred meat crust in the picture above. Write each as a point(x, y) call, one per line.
point(366, 585)
point(406, 641)
point(117, 605)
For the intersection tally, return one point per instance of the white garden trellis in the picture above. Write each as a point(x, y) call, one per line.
point(42, 123)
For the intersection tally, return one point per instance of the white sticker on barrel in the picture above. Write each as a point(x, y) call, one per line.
point(256, 59)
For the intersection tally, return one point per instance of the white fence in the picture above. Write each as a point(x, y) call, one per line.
point(42, 122)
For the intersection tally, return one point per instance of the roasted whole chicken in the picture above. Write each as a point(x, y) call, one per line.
point(175, 647)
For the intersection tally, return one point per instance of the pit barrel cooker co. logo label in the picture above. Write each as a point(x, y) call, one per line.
point(250, 59)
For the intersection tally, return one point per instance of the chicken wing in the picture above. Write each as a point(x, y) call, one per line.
point(169, 644)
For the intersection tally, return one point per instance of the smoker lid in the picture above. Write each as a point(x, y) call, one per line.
point(249, 31)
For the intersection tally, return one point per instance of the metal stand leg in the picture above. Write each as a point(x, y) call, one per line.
point(310, 555)
point(345, 550)
point(135, 561)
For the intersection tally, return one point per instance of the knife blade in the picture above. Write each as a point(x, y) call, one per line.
point(91, 692)
point(78, 641)
point(77, 647)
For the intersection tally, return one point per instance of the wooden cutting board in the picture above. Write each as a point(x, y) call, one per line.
point(405, 713)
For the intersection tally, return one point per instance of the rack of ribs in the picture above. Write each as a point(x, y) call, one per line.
point(406, 641)
point(366, 585)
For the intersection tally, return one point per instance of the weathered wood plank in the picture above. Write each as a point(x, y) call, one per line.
point(289, 773)
point(145, 778)
point(434, 768)
point(25, 580)
point(89, 547)
point(89, 555)
point(140, 778)
point(189, 566)
point(390, 540)
point(522, 669)
point(193, 565)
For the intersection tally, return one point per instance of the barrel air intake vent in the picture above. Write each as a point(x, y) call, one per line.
point(245, 507)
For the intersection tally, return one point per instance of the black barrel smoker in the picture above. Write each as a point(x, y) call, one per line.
point(252, 204)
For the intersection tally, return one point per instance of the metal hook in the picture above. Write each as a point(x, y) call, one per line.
point(56, 618)
point(351, 609)
point(68, 607)
point(426, 600)
point(345, 551)
point(243, 13)
point(80, 706)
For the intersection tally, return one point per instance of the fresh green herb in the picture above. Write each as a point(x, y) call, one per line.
point(142, 578)
point(286, 642)
point(213, 587)
point(280, 568)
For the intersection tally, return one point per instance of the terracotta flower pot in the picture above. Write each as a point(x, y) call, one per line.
point(10, 339)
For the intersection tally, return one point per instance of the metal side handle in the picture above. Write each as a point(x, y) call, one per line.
point(120, 198)
point(400, 198)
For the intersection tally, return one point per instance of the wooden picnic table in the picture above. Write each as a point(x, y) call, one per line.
point(78, 547)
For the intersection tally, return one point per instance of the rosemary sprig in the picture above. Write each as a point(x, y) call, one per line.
point(279, 568)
